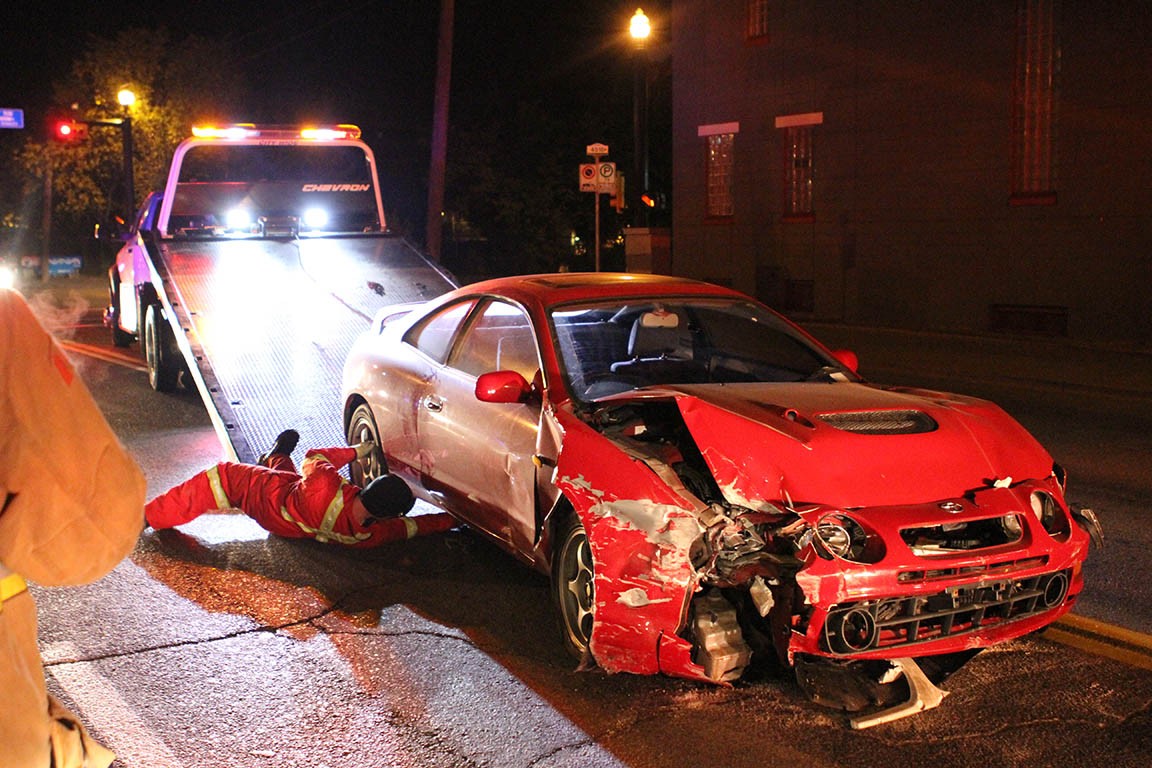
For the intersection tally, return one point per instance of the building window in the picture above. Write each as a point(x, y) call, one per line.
point(798, 163)
point(718, 166)
point(1034, 103)
point(720, 174)
point(758, 20)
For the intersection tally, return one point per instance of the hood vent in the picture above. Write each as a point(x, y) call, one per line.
point(881, 422)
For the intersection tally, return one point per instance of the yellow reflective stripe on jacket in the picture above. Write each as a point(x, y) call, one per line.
point(330, 515)
point(11, 585)
point(325, 533)
point(222, 500)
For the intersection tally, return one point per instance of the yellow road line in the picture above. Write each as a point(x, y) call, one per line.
point(1112, 642)
point(107, 355)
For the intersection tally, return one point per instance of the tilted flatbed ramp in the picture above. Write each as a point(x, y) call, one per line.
point(265, 325)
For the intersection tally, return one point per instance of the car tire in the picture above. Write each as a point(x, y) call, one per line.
point(120, 338)
point(573, 585)
point(159, 351)
point(362, 427)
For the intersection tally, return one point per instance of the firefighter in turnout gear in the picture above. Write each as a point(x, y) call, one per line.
point(318, 503)
point(70, 510)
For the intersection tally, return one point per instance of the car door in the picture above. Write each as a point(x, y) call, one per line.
point(131, 265)
point(413, 373)
point(479, 456)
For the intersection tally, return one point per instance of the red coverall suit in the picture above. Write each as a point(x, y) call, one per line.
point(316, 504)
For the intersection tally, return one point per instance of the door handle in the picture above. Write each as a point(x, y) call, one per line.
point(434, 403)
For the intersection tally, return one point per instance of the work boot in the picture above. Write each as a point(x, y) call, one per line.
point(285, 443)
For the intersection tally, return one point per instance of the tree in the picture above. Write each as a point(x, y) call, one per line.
point(177, 81)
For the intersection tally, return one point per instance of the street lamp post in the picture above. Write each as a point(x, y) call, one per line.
point(127, 98)
point(640, 29)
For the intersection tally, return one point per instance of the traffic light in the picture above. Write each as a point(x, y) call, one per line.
point(616, 199)
point(69, 131)
point(654, 200)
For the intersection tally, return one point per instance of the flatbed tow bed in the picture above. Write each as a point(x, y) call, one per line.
point(258, 313)
point(271, 359)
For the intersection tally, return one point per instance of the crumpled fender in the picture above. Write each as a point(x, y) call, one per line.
point(640, 532)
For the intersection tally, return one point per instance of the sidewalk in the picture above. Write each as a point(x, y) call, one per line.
point(1055, 372)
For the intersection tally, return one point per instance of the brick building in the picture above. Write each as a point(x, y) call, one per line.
point(982, 166)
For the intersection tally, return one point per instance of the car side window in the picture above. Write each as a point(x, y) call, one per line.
point(499, 339)
point(433, 335)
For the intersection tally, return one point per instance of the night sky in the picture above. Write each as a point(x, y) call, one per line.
point(366, 61)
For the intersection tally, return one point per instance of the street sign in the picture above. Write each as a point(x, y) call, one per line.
point(11, 118)
point(587, 177)
point(606, 183)
point(598, 177)
point(597, 150)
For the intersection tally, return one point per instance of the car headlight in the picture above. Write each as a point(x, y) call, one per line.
point(1050, 514)
point(238, 220)
point(7, 276)
point(840, 535)
point(315, 218)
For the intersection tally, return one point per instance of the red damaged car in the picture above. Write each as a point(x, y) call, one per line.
point(711, 489)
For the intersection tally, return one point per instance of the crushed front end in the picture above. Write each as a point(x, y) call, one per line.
point(732, 533)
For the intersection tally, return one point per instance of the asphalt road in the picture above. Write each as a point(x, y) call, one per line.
point(219, 646)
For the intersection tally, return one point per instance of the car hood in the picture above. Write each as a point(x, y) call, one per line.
point(852, 444)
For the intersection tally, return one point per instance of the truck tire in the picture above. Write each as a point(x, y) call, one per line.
point(573, 585)
point(362, 427)
point(120, 338)
point(160, 351)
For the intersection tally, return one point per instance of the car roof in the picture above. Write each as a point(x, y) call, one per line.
point(563, 287)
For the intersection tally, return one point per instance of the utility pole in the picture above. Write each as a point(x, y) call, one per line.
point(436, 170)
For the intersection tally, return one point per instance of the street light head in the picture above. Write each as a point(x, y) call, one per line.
point(640, 28)
point(126, 97)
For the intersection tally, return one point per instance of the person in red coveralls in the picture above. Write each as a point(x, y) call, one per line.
point(318, 503)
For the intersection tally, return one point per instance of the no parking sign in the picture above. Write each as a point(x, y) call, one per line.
point(598, 177)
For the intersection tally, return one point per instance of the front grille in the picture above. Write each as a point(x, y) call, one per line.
point(999, 567)
point(871, 625)
point(899, 422)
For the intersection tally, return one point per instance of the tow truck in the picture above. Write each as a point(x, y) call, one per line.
point(251, 273)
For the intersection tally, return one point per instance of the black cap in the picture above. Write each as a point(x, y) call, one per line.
point(387, 496)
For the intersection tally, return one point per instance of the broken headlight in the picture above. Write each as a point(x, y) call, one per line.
point(1050, 514)
point(839, 535)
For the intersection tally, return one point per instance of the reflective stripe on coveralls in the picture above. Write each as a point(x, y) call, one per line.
point(325, 533)
point(222, 500)
point(11, 585)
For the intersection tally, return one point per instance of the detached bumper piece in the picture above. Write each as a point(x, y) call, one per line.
point(876, 692)
point(854, 628)
point(922, 695)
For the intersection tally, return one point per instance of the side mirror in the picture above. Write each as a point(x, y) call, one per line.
point(503, 387)
point(847, 358)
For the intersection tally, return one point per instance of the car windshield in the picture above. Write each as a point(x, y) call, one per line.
point(607, 347)
point(274, 191)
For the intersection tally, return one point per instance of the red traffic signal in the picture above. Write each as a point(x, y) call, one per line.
point(69, 131)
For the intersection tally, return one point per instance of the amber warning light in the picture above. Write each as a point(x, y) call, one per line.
point(250, 131)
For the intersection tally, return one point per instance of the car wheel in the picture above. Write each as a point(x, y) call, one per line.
point(573, 586)
point(163, 369)
point(362, 427)
point(120, 338)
